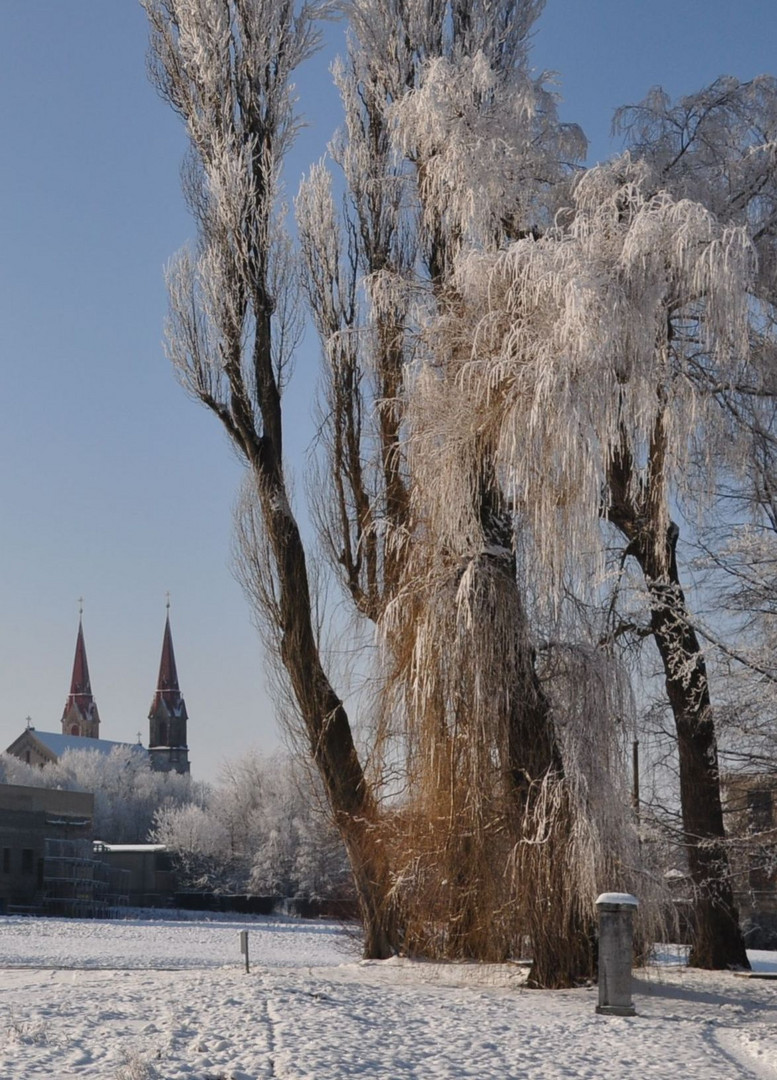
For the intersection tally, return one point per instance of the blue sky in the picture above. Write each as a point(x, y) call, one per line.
point(113, 485)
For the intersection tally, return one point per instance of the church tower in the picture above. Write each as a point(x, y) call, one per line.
point(81, 716)
point(167, 749)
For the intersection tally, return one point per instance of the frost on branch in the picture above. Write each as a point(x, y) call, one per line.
point(488, 148)
point(615, 321)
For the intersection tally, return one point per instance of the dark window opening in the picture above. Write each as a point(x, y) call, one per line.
point(761, 871)
point(28, 860)
point(759, 809)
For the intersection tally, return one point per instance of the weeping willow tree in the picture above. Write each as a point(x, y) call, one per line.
point(449, 145)
point(614, 362)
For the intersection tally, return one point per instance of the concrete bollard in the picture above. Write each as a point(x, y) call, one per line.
point(616, 914)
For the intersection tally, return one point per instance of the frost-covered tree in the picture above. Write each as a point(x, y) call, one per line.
point(613, 361)
point(295, 849)
point(449, 145)
point(262, 829)
point(226, 67)
point(200, 846)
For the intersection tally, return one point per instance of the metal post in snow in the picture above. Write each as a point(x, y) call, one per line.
point(244, 947)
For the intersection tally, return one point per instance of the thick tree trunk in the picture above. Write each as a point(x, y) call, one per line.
point(562, 939)
point(559, 968)
point(718, 941)
point(532, 746)
point(562, 952)
point(329, 732)
point(379, 922)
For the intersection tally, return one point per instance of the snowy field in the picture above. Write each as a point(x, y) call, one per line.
point(150, 1000)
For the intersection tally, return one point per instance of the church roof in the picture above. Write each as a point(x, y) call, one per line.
point(57, 743)
point(168, 693)
point(80, 696)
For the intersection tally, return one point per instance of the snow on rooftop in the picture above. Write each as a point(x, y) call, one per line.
point(59, 743)
point(128, 847)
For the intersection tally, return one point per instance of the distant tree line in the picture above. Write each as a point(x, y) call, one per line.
point(260, 829)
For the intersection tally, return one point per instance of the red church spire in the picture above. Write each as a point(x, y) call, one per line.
point(167, 688)
point(80, 716)
point(167, 746)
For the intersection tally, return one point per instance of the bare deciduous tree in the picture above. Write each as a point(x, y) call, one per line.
point(226, 68)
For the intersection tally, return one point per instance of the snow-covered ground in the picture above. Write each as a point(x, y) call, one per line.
point(150, 1000)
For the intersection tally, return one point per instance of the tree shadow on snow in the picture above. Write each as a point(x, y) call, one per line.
point(739, 994)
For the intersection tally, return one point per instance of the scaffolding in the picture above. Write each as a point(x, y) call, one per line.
point(76, 884)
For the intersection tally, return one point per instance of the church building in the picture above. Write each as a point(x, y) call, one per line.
point(167, 746)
